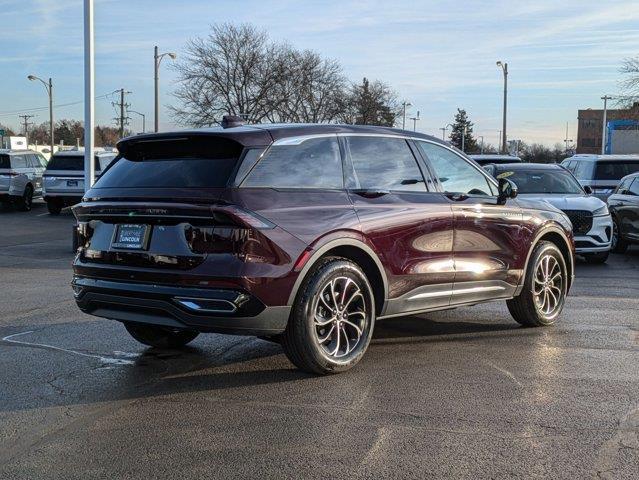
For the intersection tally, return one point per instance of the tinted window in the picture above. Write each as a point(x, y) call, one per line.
point(168, 173)
point(542, 181)
point(624, 185)
point(41, 160)
point(615, 170)
point(569, 165)
point(385, 163)
point(455, 174)
point(69, 162)
point(315, 163)
point(4, 161)
point(19, 161)
point(634, 187)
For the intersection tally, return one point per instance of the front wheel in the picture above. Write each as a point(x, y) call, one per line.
point(617, 244)
point(332, 320)
point(161, 337)
point(54, 207)
point(596, 258)
point(546, 284)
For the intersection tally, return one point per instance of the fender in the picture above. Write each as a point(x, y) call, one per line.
point(549, 228)
point(321, 251)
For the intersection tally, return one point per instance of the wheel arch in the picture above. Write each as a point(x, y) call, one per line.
point(358, 252)
point(555, 235)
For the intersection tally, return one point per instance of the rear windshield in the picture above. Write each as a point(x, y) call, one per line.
point(615, 170)
point(197, 163)
point(69, 162)
point(4, 161)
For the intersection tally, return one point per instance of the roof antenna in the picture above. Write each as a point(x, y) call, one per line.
point(230, 121)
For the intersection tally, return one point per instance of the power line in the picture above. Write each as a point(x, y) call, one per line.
point(38, 109)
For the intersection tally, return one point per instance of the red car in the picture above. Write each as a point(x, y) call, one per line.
point(306, 234)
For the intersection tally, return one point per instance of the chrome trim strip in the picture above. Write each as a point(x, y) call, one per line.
point(191, 304)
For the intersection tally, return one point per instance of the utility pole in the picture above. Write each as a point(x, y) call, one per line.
point(25, 125)
point(463, 140)
point(604, 132)
point(143, 119)
point(504, 68)
point(414, 119)
point(404, 105)
point(481, 149)
point(566, 140)
point(123, 119)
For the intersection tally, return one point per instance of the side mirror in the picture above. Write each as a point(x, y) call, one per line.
point(507, 189)
point(587, 189)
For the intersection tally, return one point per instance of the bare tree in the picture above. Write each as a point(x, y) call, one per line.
point(228, 72)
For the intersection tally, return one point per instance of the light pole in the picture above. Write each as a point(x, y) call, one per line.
point(143, 119)
point(414, 119)
point(605, 98)
point(444, 129)
point(157, 58)
point(49, 88)
point(481, 148)
point(463, 142)
point(404, 105)
point(504, 69)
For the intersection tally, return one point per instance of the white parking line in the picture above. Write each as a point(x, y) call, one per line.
point(105, 360)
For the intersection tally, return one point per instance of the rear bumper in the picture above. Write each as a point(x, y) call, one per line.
point(204, 310)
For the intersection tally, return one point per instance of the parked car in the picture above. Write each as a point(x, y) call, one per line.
point(552, 183)
point(601, 173)
point(64, 177)
point(488, 158)
point(624, 207)
point(21, 177)
point(307, 235)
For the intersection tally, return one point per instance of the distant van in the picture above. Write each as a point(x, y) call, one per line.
point(602, 173)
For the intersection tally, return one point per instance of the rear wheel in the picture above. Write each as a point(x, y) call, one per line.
point(332, 321)
point(161, 337)
point(25, 202)
point(546, 284)
point(596, 258)
point(54, 207)
point(618, 244)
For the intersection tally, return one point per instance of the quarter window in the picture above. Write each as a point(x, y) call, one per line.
point(385, 163)
point(19, 161)
point(455, 174)
point(315, 163)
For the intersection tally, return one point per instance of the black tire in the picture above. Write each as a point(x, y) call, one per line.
point(25, 202)
point(160, 337)
point(596, 258)
point(525, 308)
point(54, 207)
point(302, 339)
point(619, 245)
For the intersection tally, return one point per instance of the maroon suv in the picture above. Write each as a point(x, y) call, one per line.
point(307, 234)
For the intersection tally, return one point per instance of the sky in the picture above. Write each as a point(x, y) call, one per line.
point(438, 55)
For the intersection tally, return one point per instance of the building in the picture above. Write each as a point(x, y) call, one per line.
point(590, 126)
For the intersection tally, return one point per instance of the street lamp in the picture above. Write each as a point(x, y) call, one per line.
point(444, 129)
point(143, 119)
point(157, 58)
point(404, 105)
point(504, 69)
point(481, 149)
point(414, 119)
point(49, 88)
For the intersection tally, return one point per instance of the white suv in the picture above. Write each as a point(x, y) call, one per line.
point(64, 177)
point(21, 177)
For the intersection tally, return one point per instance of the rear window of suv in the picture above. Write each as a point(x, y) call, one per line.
point(69, 162)
point(187, 163)
point(615, 170)
point(5, 162)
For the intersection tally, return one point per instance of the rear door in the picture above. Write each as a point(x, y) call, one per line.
point(487, 241)
point(409, 224)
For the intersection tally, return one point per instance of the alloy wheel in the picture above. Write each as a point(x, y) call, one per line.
point(615, 236)
point(340, 318)
point(548, 286)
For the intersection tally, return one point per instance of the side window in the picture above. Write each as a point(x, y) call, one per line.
point(385, 163)
point(570, 166)
point(249, 159)
point(315, 163)
point(455, 174)
point(33, 161)
point(634, 187)
point(19, 161)
point(623, 186)
point(41, 161)
point(583, 170)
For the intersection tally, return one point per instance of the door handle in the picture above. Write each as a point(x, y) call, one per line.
point(371, 192)
point(456, 197)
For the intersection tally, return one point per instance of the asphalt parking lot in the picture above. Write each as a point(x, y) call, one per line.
point(465, 393)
